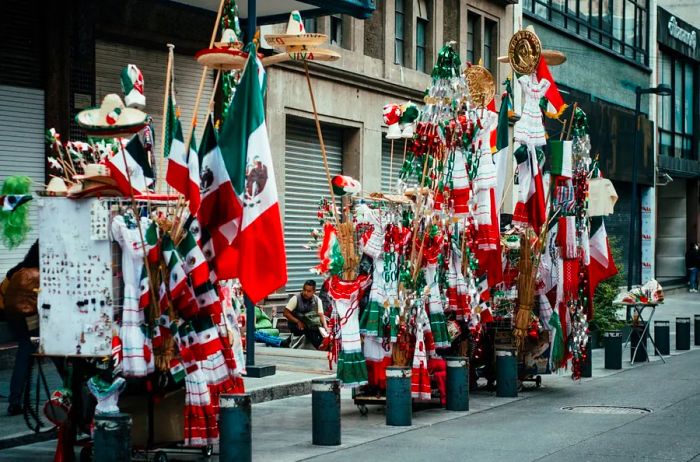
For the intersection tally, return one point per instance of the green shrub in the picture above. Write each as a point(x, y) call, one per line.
point(605, 313)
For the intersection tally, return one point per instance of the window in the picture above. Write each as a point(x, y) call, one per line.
point(677, 136)
point(336, 30)
point(490, 45)
point(618, 25)
point(310, 25)
point(473, 21)
point(421, 31)
point(399, 32)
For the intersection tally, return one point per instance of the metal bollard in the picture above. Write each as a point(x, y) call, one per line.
point(506, 374)
point(235, 428)
point(697, 330)
point(112, 438)
point(613, 349)
point(638, 351)
point(587, 362)
point(399, 404)
point(682, 333)
point(325, 412)
point(457, 383)
point(662, 337)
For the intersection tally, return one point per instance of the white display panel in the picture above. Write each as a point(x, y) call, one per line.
point(75, 297)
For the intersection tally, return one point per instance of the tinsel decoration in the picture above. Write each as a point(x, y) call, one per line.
point(15, 224)
point(582, 141)
point(229, 79)
point(448, 63)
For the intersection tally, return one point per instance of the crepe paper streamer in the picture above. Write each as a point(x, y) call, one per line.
point(15, 225)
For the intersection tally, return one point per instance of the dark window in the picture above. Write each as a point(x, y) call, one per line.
point(310, 25)
point(490, 45)
point(421, 31)
point(676, 113)
point(473, 21)
point(618, 25)
point(336, 30)
point(399, 32)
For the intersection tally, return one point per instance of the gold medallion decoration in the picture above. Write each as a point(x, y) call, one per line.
point(481, 85)
point(524, 51)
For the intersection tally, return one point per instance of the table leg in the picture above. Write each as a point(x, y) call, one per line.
point(656, 350)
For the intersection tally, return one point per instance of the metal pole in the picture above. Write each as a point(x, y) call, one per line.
point(249, 331)
point(252, 20)
point(325, 412)
point(633, 202)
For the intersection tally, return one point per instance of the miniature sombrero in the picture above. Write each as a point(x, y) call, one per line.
point(97, 173)
point(226, 55)
point(112, 118)
point(56, 187)
point(301, 54)
point(296, 35)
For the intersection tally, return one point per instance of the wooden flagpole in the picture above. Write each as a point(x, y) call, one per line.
point(160, 177)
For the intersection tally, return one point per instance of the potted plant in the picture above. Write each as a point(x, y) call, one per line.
point(605, 316)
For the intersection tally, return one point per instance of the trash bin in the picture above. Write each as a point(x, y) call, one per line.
point(613, 349)
point(662, 337)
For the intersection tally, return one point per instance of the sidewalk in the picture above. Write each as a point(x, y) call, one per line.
point(282, 428)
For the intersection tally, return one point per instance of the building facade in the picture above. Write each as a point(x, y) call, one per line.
point(608, 55)
point(678, 134)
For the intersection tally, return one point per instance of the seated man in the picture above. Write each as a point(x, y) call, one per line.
point(304, 313)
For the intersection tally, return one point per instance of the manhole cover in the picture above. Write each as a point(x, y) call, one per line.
point(607, 409)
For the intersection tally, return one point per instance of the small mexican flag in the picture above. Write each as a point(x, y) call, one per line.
point(245, 148)
point(177, 370)
point(183, 168)
point(602, 265)
point(194, 262)
point(178, 278)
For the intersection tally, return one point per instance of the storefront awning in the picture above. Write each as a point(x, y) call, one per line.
point(275, 11)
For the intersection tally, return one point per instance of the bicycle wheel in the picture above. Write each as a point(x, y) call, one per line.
point(36, 394)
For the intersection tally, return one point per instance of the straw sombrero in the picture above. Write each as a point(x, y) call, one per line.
point(226, 55)
point(551, 57)
point(112, 118)
point(296, 35)
point(96, 173)
point(301, 54)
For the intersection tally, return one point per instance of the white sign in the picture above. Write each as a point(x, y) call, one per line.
point(677, 32)
point(75, 297)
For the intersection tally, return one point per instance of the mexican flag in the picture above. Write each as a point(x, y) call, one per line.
point(259, 242)
point(530, 209)
point(500, 145)
point(556, 105)
point(140, 172)
point(194, 262)
point(183, 168)
point(152, 245)
point(602, 265)
point(178, 278)
point(221, 209)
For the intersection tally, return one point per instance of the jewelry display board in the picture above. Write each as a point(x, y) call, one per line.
point(76, 299)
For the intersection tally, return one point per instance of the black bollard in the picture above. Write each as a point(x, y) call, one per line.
point(613, 349)
point(682, 333)
point(662, 337)
point(325, 412)
point(457, 384)
point(587, 361)
point(235, 428)
point(112, 438)
point(506, 373)
point(697, 330)
point(399, 404)
point(638, 351)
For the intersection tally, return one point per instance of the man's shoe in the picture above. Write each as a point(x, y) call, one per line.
point(14, 409)
point(286, 342)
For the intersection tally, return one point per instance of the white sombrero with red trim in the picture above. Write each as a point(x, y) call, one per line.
point(112, 118)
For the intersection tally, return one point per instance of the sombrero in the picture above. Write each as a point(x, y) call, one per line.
point(301, 53)
point(226, 55)
point(96, 173)
point(90, 189)
point(112, 118)
point(296, 35)
point(551, 57)
point(56, 187)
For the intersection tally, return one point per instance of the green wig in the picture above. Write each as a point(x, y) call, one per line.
point(14, 224)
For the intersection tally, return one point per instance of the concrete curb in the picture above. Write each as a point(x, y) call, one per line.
point(28, 437)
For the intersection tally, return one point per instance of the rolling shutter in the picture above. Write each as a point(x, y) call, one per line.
point(22, 152)
point(671, 231)
point(391, 169)
point(305, 185)
point(111, 58)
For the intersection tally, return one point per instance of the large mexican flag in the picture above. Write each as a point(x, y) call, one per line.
point(244, 145)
